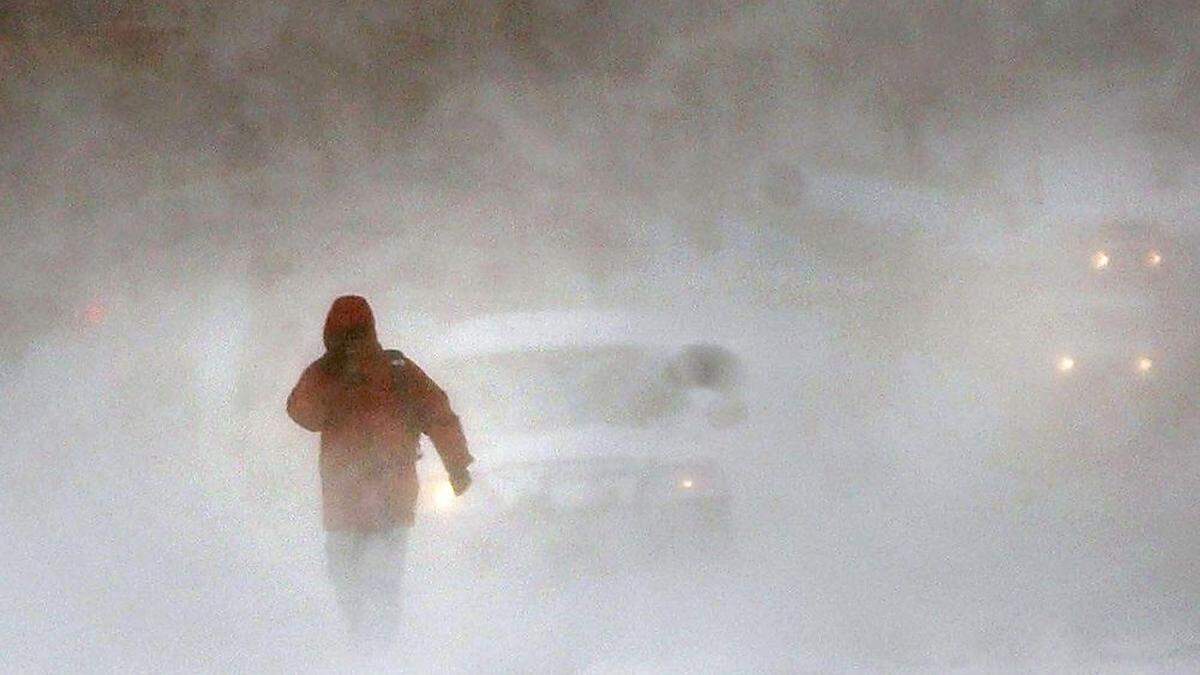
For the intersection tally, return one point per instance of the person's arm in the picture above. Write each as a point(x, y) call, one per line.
point(308, 405)
point(439, 422)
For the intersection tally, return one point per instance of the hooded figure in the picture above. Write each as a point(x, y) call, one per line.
point(371, 407)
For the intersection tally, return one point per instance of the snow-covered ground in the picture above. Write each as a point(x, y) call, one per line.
point(148, 544)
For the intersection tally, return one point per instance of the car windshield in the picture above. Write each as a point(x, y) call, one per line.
point(562, 388)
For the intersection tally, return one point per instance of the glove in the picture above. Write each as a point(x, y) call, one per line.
point(460, 480)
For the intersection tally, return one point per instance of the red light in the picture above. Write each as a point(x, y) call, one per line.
point(95, 313)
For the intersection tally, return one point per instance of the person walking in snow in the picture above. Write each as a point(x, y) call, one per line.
point(371, 406)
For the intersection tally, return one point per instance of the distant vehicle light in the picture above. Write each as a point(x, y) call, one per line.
point(1065, 364)
point(95, 313)
point(1153, 259)
point(443, 496)
point(1145, 364)
point(686, 484)
point(1100, 260)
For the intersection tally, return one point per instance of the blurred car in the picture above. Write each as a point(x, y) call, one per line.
point(600, 437)
point(1125, 319)
point(1115, 379)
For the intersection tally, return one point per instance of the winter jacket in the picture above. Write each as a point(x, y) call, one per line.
point(371, 409)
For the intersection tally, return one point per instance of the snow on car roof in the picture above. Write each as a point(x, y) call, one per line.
point(557, 329)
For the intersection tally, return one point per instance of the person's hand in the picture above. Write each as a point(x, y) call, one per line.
point(460, 480)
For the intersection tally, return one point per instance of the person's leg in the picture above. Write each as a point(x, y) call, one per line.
point(382, 576)
point(344, 564)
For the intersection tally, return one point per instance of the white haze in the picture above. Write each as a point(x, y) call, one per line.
point(860, 199)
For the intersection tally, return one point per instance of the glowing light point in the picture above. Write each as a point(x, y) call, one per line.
point(1145, 364)
point(1100, 260)
point(1153, 259)
point(1065, 364)
point(95, 312)
point(686, 483)
point(443, 496)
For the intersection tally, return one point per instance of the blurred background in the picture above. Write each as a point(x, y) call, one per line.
point(941, 255)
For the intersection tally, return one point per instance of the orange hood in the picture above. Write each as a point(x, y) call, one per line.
point(350, 314)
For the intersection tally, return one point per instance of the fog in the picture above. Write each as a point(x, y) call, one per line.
point(889, 212)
